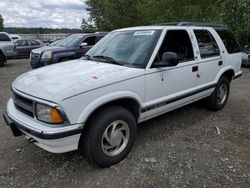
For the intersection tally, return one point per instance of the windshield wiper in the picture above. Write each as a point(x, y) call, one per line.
point(108, 59)
point(87, 57)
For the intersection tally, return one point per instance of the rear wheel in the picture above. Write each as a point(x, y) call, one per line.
point(220, 95)
point(109, 136)
point(2, 60)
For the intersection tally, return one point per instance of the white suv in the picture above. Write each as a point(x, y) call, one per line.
point(94, 104)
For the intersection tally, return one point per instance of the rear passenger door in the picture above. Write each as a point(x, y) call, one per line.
point(34, 44)
point(209, 57)
point(21, 48)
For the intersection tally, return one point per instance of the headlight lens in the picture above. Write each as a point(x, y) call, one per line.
point(47, 55)
point(48, 114)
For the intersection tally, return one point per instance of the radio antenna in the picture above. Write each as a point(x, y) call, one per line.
point(65, 26)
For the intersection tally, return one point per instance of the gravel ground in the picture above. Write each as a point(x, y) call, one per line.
point(178, 149)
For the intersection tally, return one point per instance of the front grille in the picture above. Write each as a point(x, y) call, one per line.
point(34, 57)
point(23, 104)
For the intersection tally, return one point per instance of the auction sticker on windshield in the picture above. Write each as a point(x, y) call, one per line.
point(149, 32)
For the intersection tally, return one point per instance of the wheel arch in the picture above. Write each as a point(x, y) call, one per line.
point(227, 72)
point(129, 103)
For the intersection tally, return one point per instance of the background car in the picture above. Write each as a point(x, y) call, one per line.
point(72, 47)
point(246, 60)
point(24, 47)
point(7, 48)
point(54, 42)
point(15, 37)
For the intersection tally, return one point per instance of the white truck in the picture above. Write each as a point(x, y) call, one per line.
point(7, 48)
point(93, 104)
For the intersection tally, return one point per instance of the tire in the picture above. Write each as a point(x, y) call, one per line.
point(2, 60)
point(218, 99)
point(102, 143)
point(33, 66)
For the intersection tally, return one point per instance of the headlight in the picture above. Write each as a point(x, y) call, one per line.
point(48, 114)
point(47, 55)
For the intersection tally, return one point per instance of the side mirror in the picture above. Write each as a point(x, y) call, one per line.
point(169, 59)
point(83, 44)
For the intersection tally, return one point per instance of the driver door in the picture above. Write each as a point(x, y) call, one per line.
point(167, 88)
point(85, 45)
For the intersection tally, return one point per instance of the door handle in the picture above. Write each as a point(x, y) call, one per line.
point(195, 69)
point(220, 63)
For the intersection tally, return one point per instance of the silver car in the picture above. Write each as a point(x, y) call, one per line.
point(6, 48)
point(245, 59)
point(24, 47)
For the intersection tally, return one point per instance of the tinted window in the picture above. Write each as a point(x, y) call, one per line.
point(70, 41)
point(98, 38)
point(4, 37)
point(207, 44)
point(229, 41)
point(177, 41)
point(21, 43)
point(90, 41)
point(33, 43)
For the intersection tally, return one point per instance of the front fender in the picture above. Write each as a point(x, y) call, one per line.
point(105, 99)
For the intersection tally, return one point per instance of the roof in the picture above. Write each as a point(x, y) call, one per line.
point(176, 25)
point(192, 24)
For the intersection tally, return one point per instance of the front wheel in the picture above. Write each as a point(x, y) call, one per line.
point(219, 97)
point(109, 136)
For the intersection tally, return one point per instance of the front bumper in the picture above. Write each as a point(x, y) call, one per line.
point(52, 139)
point(40, 63)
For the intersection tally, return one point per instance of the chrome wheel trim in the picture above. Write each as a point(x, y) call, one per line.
point(222, 94)
point(115, 138)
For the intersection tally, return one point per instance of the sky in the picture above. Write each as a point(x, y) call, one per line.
point(43, 13)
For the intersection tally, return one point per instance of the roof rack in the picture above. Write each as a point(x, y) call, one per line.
point(193, 24)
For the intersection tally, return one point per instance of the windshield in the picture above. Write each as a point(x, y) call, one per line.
point(70, 41)
point(132, 48)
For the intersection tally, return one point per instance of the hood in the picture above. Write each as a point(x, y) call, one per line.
point(59, 81)
point(47, 48)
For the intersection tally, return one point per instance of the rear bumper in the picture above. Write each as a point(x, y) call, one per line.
point(238, 75)
point(55, 140)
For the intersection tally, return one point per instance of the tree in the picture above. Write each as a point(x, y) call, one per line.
point(112, 14)
point(236, 14)
point(87, 27)
point(1, 22)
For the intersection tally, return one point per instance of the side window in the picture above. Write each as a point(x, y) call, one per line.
point(33, 43)
point(90, 41)
point(229, 41)
point(21, 43)
point(98, 38)
point(207, 44)
point(177, 41)
point(4, 37)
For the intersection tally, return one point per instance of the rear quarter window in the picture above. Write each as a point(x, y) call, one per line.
point(229, 41)
point(4, 37)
